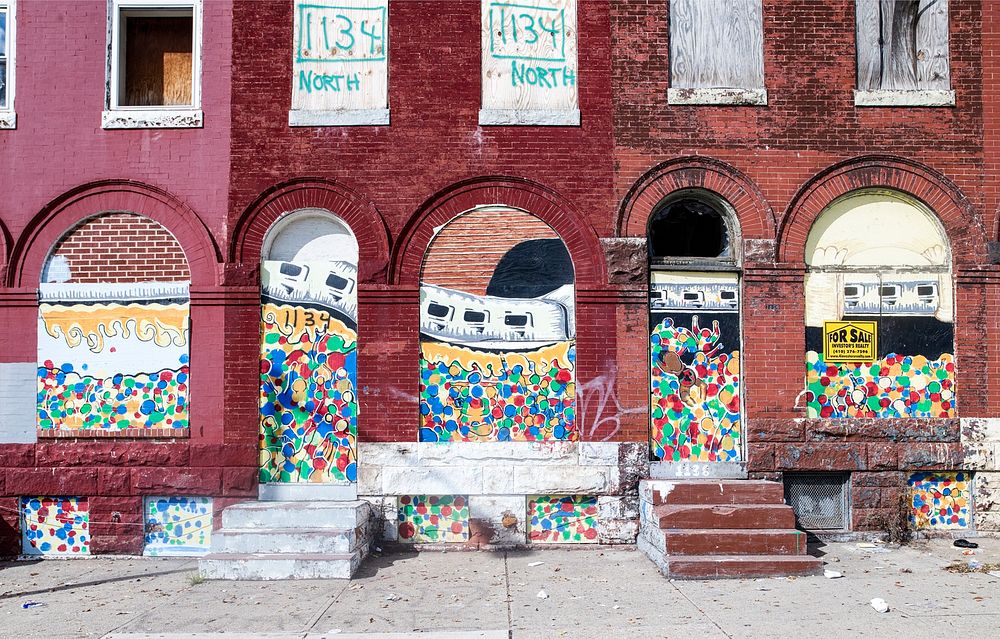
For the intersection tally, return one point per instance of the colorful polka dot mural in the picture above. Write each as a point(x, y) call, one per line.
point(308, 402)
point(467, 395)
point(58, 526)
point(894, 386)
point(566, 519)
point(940, 500)
point(695, 394)
point(432, 519)
point(179, 526)
point(113, 365)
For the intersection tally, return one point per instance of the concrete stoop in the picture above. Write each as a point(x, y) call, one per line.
point(269, 540)
point(721, 528)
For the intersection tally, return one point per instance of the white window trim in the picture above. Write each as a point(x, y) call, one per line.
point(717, 96)
point(8, 116)
point(122, 117)
point(905, 98)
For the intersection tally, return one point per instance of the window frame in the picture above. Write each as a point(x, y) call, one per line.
point(8, 116)
point(730, 262)
point(118, 116)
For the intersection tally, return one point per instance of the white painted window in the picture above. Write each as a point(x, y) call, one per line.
point(902, 48)
point(530, 74)
point(154, 64)
point(716, 52)
point(8, 119)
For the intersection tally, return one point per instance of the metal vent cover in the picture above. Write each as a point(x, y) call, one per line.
point(818, 499)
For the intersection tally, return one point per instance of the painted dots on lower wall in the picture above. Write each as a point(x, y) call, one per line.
point(177, 526)
point(940, 500)
point(433, 518)
point(55, 526)
point(562, 519)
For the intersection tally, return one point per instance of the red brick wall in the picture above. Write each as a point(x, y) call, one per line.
point(122, 248)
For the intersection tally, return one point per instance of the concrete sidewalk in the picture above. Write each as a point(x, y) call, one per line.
point(592, 593)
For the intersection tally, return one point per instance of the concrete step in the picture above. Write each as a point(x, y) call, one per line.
point(297, 514)
point(730, 541)
point(742, 566)
point(718, 491)
point(769, 516)
point(279, 540)
point(266, 567)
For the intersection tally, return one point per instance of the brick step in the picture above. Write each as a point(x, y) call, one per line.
point(769, 516)
point(297, 514)
point(742, 566)
point(719, 491)
point(266, 567)
point(734, 541)
point(278, 540)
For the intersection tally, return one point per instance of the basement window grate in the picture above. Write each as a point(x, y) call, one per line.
point(818, 499)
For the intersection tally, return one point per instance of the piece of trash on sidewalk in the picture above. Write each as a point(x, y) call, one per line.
point(535, 563)
point(965, 543)
point(542, 594)
point(32, 604)
point(832, 574)
point(393, 597)
point(994, 573)
point(968, 553)
point(880, 605)
point(866, 544)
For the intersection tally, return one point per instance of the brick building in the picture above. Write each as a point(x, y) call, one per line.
point(487, 266)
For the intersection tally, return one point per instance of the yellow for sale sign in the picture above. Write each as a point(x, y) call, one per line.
point(850, 342)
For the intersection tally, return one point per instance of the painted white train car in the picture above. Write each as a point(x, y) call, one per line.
point(330, 284)
point(688, 296)
point(491, 322)
point(891, 298)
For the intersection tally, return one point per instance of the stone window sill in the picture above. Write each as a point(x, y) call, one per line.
point(345, 117)
point(717, 97)
point(152, 119)
point(128, 433)
point(529, 117)
point(904, 98)
point(8, 120)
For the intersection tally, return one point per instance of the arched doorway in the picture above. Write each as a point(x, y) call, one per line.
point(694, 311)
point(308, 363)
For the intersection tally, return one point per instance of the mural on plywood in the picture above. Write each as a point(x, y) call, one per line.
point(57, 526)
point(877, 258)
point(434, 518)
point(308, 361)
point(940, 500)
point(177, 526)
point(113, 329)
point(497, 331)
point(695, 366)
point(562, 519)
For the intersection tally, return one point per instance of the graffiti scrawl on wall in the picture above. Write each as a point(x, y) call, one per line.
point(308, 363)
point(695, 367)
point(878, 258)
point(497, 332)
point(113, 356)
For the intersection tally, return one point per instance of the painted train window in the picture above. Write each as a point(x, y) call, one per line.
point(113, 329)
point(879, 311)
point(308, 360)
point(497, 331)
point(695, 382)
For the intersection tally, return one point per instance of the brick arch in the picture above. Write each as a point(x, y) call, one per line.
point(574, 230)
point(754, 215)
point(939, 194)
point(67, 211)
point(351, 207)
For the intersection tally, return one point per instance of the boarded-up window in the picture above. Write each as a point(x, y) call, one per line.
point(902, 45)
point(716, 44)
point(157, 59)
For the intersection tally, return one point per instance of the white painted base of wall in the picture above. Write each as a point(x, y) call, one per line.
point(18, 413)
point(344, 117)
point(529, 117)
point(981, 451)
point(307, 492)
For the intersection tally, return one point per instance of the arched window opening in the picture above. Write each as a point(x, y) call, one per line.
point(689, 227)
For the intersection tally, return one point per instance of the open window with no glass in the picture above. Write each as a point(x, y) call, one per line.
point(154, 64)
point(902, 48)
point(688, 228)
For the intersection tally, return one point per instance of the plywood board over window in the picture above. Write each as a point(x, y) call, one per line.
point(158, 61)
point(530, 71)
point(340, 68)
point(902, 49)
point(716, 52)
